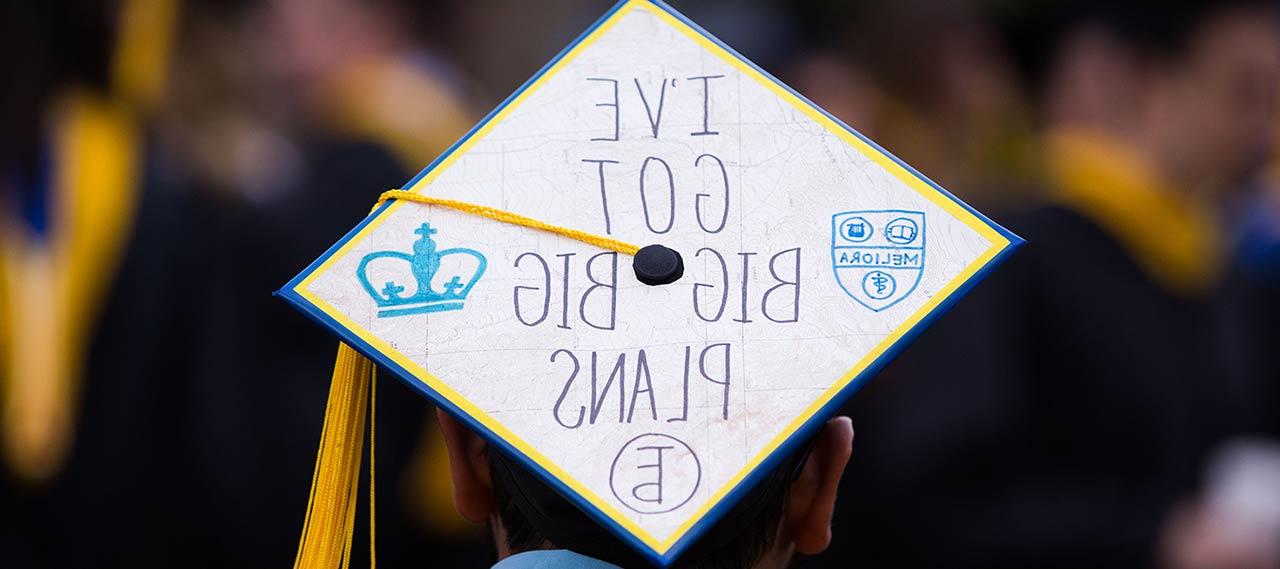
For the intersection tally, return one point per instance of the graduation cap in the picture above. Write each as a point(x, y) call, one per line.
point(785, 259)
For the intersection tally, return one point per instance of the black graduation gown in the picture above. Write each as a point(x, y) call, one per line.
point(203, 394)
point(111, 504)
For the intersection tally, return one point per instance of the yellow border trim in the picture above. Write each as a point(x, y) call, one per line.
point(661, 546)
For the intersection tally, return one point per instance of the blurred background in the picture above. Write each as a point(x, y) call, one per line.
point(1108, 398)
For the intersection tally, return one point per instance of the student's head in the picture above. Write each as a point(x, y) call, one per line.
point(787, 513)
point(1192, 83)
point(1211, 105)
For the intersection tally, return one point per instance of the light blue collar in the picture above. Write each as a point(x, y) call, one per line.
point(552, 559)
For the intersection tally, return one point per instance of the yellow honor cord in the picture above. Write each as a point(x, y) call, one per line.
point(512, 218)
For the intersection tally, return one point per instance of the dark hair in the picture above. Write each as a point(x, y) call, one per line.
point(533, 514)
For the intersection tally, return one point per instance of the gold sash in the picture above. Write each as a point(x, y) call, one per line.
point(1175, 239)
point(52, 286)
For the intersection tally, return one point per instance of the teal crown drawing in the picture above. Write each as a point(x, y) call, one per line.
point(422, 265)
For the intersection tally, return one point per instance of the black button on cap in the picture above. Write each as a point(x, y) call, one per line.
point(658, 265)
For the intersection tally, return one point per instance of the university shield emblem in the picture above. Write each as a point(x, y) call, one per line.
point(878, 255)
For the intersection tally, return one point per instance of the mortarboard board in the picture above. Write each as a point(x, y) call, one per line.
point(651, 387)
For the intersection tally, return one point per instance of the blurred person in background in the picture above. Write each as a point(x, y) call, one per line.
point(1256, 221)
point(949, 101)
point(295, 115)
point(822, 66)
point(949, 106)
point(1062, 414)
point(97, 282)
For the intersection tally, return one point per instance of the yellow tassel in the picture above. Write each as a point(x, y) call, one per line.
point(373, 498)
point(330, 519)
point(331, 510)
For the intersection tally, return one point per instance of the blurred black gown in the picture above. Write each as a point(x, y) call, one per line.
point(113, 501)
point(203, 399)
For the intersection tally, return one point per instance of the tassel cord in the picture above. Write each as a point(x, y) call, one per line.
point(512, 218)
